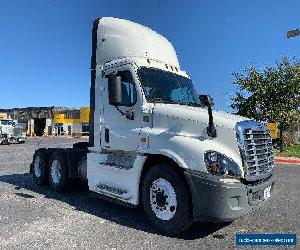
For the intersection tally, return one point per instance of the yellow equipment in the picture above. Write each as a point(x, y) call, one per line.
point(84, 117)
point(273, 129)
point(3, 116)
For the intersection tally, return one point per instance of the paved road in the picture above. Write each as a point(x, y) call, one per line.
point(32, 217)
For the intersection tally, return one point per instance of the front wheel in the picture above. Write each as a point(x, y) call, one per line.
point(165, 199)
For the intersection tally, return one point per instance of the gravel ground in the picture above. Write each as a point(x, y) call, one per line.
point(34, 217)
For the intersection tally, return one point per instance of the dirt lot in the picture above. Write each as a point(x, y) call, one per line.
point(34, 217)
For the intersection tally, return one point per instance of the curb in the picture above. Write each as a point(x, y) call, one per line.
point(287, 160)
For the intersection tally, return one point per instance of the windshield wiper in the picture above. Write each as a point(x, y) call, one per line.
point(163, 100)
point(193, 104)
point(168, 100)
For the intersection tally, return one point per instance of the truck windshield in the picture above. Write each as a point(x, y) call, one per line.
point(6, 122)
point(167, 87)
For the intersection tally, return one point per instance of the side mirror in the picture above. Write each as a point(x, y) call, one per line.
point(115, 90)
point(206, 100)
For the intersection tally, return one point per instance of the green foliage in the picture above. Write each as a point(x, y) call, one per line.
point(276, 89)
point(292, 150)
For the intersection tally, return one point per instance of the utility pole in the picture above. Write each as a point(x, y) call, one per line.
point(289, 34)
point(293, 33)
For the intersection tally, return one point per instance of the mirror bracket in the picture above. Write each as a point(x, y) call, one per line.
point(130, 114)
point(207, 101)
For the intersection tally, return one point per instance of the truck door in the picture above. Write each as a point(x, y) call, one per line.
point(118, 131)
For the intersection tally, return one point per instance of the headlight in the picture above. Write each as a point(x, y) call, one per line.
point(219, 164)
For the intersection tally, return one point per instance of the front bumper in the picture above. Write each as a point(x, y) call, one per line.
point(215, 201)
point(21, 139)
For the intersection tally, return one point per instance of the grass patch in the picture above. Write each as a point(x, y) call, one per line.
point(292, 150)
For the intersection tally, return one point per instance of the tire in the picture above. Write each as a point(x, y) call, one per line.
point(160, 184)
point(5, 141)
point(40, 168)
point(58, 172)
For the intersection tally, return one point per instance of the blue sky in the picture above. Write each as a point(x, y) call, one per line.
point(45, 46)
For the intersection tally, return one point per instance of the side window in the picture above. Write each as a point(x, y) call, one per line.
point(129, 94)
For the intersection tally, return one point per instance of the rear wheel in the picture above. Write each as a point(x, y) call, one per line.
point(165, 199)
point(5, 140)
point(40, 168)
point(59, 170)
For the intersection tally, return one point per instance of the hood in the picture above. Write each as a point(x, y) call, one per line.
point(7, 129)
point(196, 115)
point(186, 127)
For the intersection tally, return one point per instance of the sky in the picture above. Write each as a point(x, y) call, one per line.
point(45, 46)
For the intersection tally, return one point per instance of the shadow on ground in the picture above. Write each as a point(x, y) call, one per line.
point(85, 201)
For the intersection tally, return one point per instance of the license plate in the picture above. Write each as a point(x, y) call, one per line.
point(267, 192)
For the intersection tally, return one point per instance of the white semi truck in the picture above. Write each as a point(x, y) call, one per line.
point(11, 132)
point(154, 143)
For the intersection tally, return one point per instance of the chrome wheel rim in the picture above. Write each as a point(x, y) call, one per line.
point(163, 199)
point(55, 171)
point(37, 167)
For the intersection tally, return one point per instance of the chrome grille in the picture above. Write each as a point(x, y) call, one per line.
point(255, 144)
point(18, 131)
point(258, 151)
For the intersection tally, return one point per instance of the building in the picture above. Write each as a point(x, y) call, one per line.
point(72, 122)
point(44, 121)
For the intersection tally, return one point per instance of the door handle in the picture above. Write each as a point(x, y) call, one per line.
point(106, 135)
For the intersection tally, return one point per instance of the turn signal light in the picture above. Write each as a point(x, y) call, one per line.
point(214, 168)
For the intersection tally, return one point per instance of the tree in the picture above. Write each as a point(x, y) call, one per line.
point(276, 89)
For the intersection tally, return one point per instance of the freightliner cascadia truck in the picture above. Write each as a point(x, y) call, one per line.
point(154, 143)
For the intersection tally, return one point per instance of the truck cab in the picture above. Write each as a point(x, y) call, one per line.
point(155, 143)
point(11, 132)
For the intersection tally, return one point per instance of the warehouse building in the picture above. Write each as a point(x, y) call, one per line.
point(44, 121)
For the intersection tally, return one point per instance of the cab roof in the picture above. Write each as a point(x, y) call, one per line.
point(119, 38)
